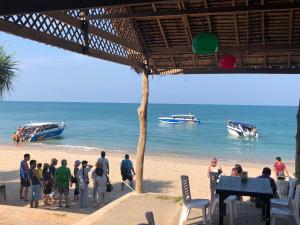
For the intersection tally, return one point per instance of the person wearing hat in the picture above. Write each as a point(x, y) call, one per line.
point(75, 180)
point(280, 166)
point(83, 180)
point(282, 185)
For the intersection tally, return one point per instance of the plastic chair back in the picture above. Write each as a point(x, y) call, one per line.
point(297, 201)
point(150, 218)
point(186, 192)
point(291, 193)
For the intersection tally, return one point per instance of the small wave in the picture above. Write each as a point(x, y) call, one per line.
point(76, 147)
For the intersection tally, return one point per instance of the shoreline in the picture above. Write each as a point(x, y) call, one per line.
point(171, 154)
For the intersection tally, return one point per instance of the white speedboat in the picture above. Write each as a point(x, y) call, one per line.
point(39, 131)
point(241, 129)
point(179, 118)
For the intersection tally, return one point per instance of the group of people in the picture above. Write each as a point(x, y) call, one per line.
point(55, 182)
point(280, 187)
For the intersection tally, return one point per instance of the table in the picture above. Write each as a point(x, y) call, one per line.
point(255, 187)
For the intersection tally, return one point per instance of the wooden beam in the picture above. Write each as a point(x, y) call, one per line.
point(263, 38)
point(236, 28)
point(240, 48)
point(85, 31)
point(45, 38)
point(240, 71)
point(92, 29)
point(12, 7)
point(291, 26)
point(200, 11)
point(142, 113)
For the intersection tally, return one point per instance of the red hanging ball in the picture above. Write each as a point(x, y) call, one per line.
point(227, 62)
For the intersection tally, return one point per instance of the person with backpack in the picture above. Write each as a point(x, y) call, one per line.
point(127, 171)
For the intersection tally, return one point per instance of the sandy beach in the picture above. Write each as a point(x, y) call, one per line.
point(161, 173)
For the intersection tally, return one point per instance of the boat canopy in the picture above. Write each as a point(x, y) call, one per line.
point(248, 126)
point(183, 115)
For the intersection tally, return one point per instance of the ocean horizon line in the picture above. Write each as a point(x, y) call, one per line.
point(153, 103)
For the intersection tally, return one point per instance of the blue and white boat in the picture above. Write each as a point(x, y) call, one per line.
point(179, 118)
point(239, 129)
point(39, 131)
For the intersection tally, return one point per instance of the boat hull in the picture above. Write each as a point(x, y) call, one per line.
point(239, 133)
point(174, 121)
point(47, 134)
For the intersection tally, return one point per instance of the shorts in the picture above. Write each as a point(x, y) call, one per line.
point(25, 182)
point(63, 190)
point(36, 192)
point(127, 177)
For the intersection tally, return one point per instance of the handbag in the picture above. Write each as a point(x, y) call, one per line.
point(109, 187)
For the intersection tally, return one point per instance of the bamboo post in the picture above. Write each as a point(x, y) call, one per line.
point(142, 113)
point(297, 163)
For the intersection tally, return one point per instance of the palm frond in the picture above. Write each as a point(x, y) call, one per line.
point(7, 71)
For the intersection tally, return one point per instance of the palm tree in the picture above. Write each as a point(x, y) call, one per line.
point(7, 71)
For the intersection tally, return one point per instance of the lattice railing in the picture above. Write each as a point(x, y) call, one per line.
point(107, 39)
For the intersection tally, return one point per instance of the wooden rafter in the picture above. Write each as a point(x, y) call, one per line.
point(236, 28)
point(263, 38)
point(200, 11)
point(291, 26)
point(240, 48)
point(188, 31)
point(163, 33)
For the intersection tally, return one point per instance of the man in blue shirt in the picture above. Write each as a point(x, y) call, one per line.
point(24, 177)
point(127, 171)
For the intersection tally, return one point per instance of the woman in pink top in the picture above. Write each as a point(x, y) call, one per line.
point(280, 167)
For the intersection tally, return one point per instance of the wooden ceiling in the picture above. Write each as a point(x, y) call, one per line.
point(157, 35)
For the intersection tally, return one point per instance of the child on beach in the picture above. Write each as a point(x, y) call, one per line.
point(40, 170)
point(47, 184)
point(101, 182)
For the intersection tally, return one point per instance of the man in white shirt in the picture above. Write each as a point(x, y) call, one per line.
point(103, 162)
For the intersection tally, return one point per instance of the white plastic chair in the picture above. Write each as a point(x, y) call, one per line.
point(189, 203)
point(276, 202)
point(230, 206)
point(150, 218)
point(287, 212)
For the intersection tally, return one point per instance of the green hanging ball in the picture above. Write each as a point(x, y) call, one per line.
point(205, 43)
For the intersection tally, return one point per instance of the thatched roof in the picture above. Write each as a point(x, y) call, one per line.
point(263, 35)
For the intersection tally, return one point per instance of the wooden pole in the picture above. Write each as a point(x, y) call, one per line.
point(297, 163)
point(142, 112)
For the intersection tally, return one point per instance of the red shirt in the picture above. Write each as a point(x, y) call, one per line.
point(279, 167)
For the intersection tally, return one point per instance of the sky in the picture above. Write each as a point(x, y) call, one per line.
point(48, 73)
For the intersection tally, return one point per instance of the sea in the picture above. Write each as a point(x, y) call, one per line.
point(115, 127)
